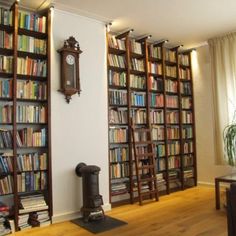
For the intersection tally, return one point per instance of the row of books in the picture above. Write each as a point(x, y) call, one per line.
point(119, 188)
point(116, 78)
point(158, 133)
point(6, 88)
point(140, 150)
point(172, 101)
point(6, 165)
point(31, 44)
point(5, 40)
point(157, 100)
point(119, 170)
point(171, 71)
point(173, 148)
point(119, 154)
point(174, 162)
point(137, 64)
point(31, 114)
point(187, 117)
point(156, 84)
point(135, 46)
point(161, 182)
point(118, 116)
point(113, 42)
point(6, 138)
point(31, 21)
point(186, 103)
point(184, 73)
point(183, 59)
point(188, 160)
point(32, 161)
point(31, 181)
point(185, 88)
point(116, 61)
point(137, 81)
point(31, 90)
point(6, 185)
point(117, 97)
point(118, 135)
point(187, 132)
point(6, 113)
point(155, 68)
point(161, 164)
point(160, 150)
point(157, 116)
point(5, 16)
point(29, 66)
point(170, 55)
point(140, 136)
point(6, 64)
point(139, 116)
point(28, 137)
point(155, 51)
point(188, 147)
point(171, 86)
point(138, 99)
point(173, 132)
point(172, 117)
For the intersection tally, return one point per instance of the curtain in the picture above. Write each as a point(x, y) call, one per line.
point(223, 72)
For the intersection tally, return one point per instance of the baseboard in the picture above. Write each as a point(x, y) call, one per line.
point(74, 215)
point(209, 184)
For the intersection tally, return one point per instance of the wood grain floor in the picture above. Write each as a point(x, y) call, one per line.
point(185, 213)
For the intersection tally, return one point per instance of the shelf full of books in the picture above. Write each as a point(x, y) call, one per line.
point(152, 84)
point(25, 152)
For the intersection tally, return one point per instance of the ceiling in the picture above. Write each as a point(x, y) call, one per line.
point(187, 22)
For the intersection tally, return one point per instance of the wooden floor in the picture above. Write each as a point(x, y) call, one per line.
point(186, 213)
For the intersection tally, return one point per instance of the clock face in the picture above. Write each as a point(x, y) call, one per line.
point(70, 59)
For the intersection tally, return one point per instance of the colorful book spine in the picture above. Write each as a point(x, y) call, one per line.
point(5, 40)
point(6, 64)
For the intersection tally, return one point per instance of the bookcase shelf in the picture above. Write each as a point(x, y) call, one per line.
point(164, 89)
point(23, 142)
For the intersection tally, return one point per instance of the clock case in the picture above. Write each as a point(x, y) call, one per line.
point(70, 82)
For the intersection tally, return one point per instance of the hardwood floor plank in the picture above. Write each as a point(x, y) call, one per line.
point(184, 213)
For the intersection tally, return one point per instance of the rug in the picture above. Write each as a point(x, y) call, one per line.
point(99, 226)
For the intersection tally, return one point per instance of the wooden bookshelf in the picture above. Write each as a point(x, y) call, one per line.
point(25, 118)
point(155, 83)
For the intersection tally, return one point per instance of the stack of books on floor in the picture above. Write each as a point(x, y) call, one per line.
point(4, 223)
point(39, 218)
point(23, 222)
point(161, 183)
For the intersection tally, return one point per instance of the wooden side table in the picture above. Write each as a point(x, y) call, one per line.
point(224, 179)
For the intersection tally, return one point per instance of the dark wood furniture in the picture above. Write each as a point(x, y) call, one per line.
point(153, 85)
point(223, 179)
point(231, 209)
point(28, 130)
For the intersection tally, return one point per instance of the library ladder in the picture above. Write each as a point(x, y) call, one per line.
point(144, 160)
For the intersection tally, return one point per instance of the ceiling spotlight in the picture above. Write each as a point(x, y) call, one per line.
point(149, 36)
point(131, 30)
point(166, 41)
point(17, 0)
point(51, 7)
point(108, 26)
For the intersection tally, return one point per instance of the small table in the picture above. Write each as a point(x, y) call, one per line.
point(224, 179)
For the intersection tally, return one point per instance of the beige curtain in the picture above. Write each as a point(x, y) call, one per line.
point(223, 68)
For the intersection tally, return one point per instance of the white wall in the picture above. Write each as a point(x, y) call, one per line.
point(207, 169)
point(79, 129)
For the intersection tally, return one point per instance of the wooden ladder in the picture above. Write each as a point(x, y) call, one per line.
point(145, 168)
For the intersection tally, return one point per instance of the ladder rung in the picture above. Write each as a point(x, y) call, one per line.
point(146, 167)
point(148, 154)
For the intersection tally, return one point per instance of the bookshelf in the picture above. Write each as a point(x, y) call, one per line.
point(152, 84)
point(25, 158)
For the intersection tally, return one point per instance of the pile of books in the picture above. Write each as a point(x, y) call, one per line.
point(161, 182)
point(4, 224)
point(39, 218)
point(23, 222)
point(32, 203)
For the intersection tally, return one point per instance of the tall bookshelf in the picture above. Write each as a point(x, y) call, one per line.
point(25, 169)
point(153, 85)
